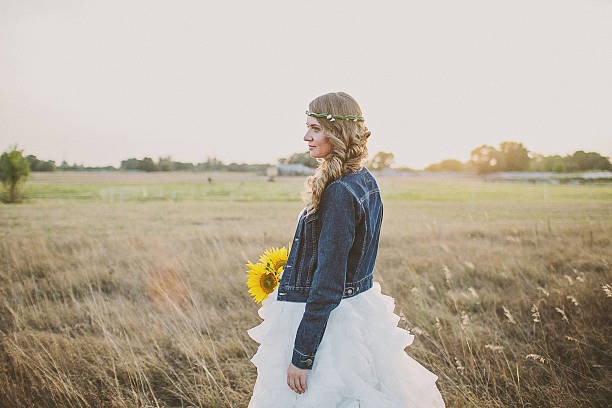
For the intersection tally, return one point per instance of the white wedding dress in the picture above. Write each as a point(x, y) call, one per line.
point(360, 361)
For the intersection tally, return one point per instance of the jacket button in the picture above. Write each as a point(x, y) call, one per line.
point(308, 361)
point(349, 291)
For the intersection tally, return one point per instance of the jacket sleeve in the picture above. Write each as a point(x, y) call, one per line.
point(338, 213)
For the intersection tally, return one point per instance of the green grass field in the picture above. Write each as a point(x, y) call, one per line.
point(128, 289)
point(144, 187)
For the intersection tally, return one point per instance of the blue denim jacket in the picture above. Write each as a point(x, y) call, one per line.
point(332, 256)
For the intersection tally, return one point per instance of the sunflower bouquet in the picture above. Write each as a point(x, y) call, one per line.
point(263, 277)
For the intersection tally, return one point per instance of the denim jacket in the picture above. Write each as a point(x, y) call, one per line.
point(332, 256)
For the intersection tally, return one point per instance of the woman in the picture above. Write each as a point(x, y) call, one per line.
point(329, 336)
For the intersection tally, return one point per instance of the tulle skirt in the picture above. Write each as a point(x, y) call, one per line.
point(360, 361)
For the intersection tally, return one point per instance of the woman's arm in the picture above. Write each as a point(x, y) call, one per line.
point(338, 213)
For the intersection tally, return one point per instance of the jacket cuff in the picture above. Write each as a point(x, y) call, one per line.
point(302, 361)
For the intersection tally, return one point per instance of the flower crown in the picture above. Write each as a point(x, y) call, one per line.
point(332, 118)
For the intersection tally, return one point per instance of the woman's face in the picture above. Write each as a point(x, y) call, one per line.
point(318, 145)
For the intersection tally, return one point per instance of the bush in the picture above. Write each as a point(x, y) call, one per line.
point(14, 170)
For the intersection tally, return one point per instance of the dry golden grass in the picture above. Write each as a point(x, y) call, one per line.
point(144, 304)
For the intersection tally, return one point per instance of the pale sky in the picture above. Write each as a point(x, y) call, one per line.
point(96, 82)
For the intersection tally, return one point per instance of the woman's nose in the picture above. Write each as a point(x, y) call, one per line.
point(307, 137)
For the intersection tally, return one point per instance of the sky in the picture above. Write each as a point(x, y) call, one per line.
point(97, 82)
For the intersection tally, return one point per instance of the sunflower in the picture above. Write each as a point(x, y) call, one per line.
point(274, 258)
point(261, 281)
point(263, 277)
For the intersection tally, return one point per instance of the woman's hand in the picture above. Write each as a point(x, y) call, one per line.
point(296, 378)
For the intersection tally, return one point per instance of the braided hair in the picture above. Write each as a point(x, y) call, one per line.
point(348, 139)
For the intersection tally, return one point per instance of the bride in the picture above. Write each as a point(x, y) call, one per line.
point(329, 337)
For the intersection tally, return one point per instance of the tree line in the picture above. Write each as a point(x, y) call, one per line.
point(510, 156)
point(146, 164)
point(513, 156)
point(379, 161)
point(167, 164)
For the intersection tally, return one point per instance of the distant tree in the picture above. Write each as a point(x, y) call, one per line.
point(64, 166)
point(237, 166)
point(303, 158)
point(181, 166)
point(446, 165)
point(165, 164)
point(590, 161)
point(556, 164)
point(148, 164)
point(569, 164)
point(14, 170)
point(39, 165)
point(485, 159)
point(381, 160)
point(513, 156)
point(211, 164)
point(131, 164)
point(579, 161)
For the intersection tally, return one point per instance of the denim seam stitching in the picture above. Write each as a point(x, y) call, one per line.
point(348, 187)
point(353, 193)
point(363, 250)
point(302, 354)
point(368, 194)
point(359, 281)
point(364, 278)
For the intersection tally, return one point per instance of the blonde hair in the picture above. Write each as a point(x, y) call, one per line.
point(347, 138)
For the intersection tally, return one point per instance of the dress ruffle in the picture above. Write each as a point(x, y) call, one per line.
point(360, 361)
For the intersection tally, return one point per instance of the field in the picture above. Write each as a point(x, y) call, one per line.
point(128, 289)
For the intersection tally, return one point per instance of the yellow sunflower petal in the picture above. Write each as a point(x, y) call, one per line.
point(261, 281)
point(274, 258)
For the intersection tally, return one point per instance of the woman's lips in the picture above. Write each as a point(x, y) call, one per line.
point(310, 147)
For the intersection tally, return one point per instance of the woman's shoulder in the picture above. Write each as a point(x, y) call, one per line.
point(357, 175)
point(357, 181)
point(340, 194)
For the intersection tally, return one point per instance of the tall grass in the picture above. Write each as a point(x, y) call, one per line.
point(143, 303)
